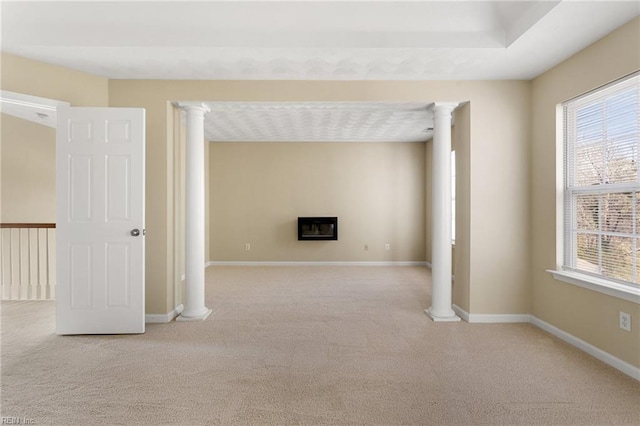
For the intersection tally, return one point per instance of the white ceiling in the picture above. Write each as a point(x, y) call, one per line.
point(308, 40)
point(318, 40)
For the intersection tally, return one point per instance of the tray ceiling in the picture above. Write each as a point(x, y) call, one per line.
point(309, 40)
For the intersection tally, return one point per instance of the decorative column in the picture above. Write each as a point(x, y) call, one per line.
point(194, 308)
point(440, 309)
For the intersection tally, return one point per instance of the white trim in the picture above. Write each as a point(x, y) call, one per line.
point(184, 105)
point(600, 285)
point(31, 102)
point(597, 353)
point(560, 242)
point(491, 318)
point(449, 105)
point(435, 318)
point(603, 189)
point(202, 317)
point(305, 263)
point(33, 108)
point(607, 358)
point(163, 318)
point(461, 312)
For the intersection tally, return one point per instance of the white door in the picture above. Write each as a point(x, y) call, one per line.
point(100, 220)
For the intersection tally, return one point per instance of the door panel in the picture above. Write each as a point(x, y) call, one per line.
point(79, 188)
point(80, 278)
point(118, 181)
point(100, 189)
point(118, 275)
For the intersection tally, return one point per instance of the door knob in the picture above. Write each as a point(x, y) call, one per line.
point(135, 232)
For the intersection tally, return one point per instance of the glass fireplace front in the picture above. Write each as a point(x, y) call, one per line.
point(317, 228)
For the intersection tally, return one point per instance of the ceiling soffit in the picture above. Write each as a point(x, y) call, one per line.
point(31, 108)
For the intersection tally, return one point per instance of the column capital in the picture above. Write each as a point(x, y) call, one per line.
point(443, 106)
point(193, 106)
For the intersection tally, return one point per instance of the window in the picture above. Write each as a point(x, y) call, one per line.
point(453, 197)
point(602, 183)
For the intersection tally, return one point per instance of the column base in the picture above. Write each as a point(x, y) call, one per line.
point(450, 318)
point(202, 317)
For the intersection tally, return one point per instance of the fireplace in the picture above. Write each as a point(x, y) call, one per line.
point(317, 228)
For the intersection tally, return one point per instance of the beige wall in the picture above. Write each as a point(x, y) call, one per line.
point(258, 190)
point(28, 173)
point(591, 316)
point(176, 134)
point(207, 200)
point(505, 148)
point(497, 191)
point(497, 281)
point(428, 199)
point(462, 253)
point(28, 149)
point(493, 103)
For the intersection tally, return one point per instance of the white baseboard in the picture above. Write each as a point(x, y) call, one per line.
point(461, 313)
point(303, 263)
point(491, 318)
point(163, 318)
point(607, 358)
point(623, 366)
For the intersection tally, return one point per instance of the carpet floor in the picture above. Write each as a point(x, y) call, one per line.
point(306, 345)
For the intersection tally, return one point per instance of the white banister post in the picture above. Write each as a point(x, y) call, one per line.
point(194, 307)
point(441, 309)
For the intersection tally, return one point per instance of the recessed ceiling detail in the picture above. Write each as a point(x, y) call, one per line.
point(318, 122)
point(309, 40)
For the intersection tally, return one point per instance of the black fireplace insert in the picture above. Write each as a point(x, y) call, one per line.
point(317, 228)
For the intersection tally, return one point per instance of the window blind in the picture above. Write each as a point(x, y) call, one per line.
point(601, 182)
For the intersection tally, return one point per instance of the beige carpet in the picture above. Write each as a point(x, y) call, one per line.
point(307, 345)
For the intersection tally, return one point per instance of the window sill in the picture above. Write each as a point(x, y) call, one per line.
point(598, 284)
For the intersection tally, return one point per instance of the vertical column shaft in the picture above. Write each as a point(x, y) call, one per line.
point(194, 307)
point(440, 309)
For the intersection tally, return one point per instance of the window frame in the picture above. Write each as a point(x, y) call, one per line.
point(600, 283)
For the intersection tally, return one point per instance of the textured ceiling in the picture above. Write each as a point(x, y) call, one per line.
point(318, 121)
point(278, 121)
point(309, 40)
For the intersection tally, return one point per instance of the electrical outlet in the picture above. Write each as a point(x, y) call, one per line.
point(387, 247)
point(366, 247)
point(625, 321)
point(247, 246)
